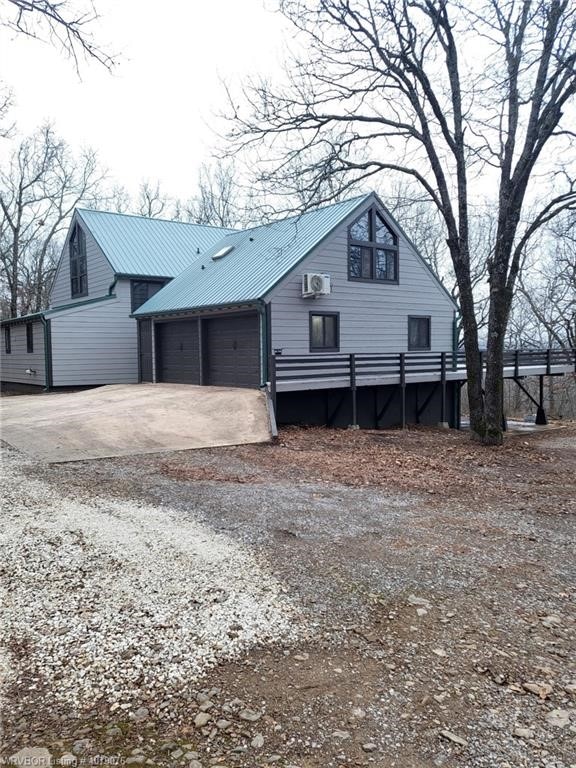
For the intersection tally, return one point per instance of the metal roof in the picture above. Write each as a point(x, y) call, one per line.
point(261, 258)
point(22, 318)
point(136, 245)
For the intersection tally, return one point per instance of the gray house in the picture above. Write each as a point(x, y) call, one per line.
point(312, 289)
point(139, 299)
point(110, 264)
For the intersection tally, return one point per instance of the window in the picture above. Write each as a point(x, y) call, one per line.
point(418, 333)
point(29, 337)
point(372, 249)
point(324, 332)
point(7, 340)
point(142, 290)
point(78, 268)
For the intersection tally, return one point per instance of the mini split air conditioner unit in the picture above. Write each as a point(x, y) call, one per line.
point(315, 284)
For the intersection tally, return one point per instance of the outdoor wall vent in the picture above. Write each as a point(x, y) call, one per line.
point(222, 252)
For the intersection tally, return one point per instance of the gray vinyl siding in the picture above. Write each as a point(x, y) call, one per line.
point(100, 273)
point(373, 316)
point(96, 343)
point(14, 366)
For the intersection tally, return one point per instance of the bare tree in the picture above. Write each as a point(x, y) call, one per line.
point(6, 127)
point(401, 86)
point(221, 200)
point(39, 190)
point(152, 202)
point(67, 23)
point(117, 200)
point(215, 201)
point(547, 289)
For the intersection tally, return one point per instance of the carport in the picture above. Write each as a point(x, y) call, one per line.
point(128, 419)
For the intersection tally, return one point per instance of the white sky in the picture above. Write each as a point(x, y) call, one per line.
point(152, 118)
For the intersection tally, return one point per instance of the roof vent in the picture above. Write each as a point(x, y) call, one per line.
point(222, 252)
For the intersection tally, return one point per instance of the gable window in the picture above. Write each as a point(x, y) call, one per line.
point(7, 340)
point(142, 290)
point(372, 249)
point(29, 337)
point(78, 267)
point(324, 332)
point(418, 333)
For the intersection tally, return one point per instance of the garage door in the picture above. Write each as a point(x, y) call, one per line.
point(233, 351)
point(178, 361)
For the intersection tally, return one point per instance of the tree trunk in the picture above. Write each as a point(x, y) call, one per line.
point(500, 302)
point(471, 346)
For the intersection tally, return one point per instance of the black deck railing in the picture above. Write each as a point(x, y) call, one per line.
point(354, 368)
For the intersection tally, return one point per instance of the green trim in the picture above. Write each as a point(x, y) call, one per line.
point(22, 319)
point(62, 307)
point(248, 304)
point(139, 276)
point(48, 376)
point(263, 332)
point(155, 218)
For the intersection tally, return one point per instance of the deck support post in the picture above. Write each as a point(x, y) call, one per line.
point(403, 389)
point(540, 412)
point(443, 384)
point(354, 424)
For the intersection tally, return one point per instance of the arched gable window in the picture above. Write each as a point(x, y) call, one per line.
point(78, 266)
point(372, 249)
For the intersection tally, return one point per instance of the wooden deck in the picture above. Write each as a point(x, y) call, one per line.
point(291, 373)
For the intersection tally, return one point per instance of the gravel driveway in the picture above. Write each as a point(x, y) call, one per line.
point(337, 599)
point(105, 600)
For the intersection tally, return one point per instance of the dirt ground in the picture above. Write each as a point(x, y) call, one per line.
point(434, 581)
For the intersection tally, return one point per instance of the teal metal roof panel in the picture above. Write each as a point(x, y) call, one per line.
point(135, 245)
point(260, 258)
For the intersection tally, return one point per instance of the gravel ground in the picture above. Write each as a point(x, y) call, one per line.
point(336, 599)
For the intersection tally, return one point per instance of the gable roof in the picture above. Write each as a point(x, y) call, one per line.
point(136, 245)
point(260, 258)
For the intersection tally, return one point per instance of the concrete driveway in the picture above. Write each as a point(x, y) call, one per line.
point(129, 419)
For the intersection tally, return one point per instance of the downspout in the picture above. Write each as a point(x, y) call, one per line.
point(48, 378)
point(112, 286)
point(264, 334)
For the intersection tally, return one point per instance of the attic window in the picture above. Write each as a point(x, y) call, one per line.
point(223, 252)
point(372, 249)
point(78, 267)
